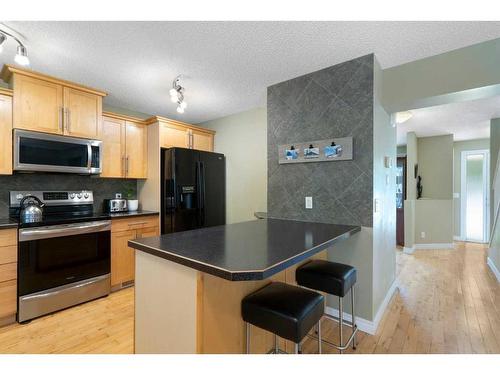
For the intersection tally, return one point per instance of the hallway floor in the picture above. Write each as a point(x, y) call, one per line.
point(448, 302)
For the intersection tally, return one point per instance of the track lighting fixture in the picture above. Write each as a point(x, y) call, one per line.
point(177, 95)
point(21, 57)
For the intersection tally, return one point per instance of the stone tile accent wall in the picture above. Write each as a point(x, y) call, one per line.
point(102, 187)
point(332, 102)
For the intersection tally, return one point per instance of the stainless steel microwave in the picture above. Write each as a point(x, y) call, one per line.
point(42, 152)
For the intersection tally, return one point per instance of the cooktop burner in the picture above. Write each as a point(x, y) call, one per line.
point(61, 207)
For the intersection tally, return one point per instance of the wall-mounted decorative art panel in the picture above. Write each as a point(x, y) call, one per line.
point(333, 149)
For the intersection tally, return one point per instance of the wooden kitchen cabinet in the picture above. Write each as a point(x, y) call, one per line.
point(179, 134)
point(136, 145)
point(122, 256)
point(113, 147)
point(38, 105)
point(51, 105)
point(125, 147)
point(8, 275)
point(5, 131)
point(202, 140)
point(83, 113)
point(174, 136)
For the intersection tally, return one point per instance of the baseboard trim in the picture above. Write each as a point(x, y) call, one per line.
point(457, 238)
point(368, 326)
point(409, 250)
point(493, 268)
point(433, 246)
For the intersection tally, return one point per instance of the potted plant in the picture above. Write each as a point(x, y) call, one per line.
point(132, 204)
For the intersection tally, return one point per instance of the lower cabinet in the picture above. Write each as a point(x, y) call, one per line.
point(122, 256)
point(8, 276)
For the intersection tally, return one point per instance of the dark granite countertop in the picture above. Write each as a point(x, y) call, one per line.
point(133, 213)
point(6, 223)
point(13, 223)
point(252, 250)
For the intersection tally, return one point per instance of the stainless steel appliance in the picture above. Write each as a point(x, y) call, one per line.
point(64, 259)
point(193, 185)
point(42, 152)
point(115, 205)
point(31, 209)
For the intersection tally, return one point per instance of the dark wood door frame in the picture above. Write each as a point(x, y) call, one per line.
point(400, 215)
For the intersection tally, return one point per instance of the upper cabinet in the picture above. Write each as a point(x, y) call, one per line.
point(83, 112)
point(5, 131)
point(125, 142)
point(178, 134)
point(50, 105)
point(202, 140)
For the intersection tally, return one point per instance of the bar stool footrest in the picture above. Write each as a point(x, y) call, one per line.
point(338, 347)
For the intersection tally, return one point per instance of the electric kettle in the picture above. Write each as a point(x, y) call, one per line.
point(31, 209)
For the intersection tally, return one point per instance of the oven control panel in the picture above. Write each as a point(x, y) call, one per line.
point(54, 198)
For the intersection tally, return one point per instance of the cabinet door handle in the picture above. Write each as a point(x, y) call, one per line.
point(69, 120)
point(126, 165)
point(61, 115)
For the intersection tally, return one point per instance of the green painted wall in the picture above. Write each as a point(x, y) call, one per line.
point(464, 74)
point(435, 166)
point(242, 137)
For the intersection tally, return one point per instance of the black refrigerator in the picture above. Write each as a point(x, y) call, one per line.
point(193, 189)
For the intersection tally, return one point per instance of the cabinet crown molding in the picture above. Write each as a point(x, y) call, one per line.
point(119, 116)
point(9, 70)
point(167, 121)
point(6, 91)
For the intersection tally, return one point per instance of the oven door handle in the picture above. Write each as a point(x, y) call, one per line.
point(29, 234)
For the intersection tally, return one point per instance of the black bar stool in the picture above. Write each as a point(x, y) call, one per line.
point(286, 310)
point(335, 279)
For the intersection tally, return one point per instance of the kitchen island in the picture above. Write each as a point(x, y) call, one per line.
point(189, 285)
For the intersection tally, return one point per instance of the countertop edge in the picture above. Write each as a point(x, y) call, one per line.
point(125, 215)
point(242, 275)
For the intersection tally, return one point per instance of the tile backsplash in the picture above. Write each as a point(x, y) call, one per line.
point(102, 187)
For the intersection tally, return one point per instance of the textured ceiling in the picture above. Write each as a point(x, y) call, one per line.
point(227, 65)
point(465, 120)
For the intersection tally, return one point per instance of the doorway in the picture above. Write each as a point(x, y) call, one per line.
point(474, 203)
point(400, 200)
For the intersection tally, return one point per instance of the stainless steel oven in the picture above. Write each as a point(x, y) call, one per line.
point(42, 152)
point(62, 265)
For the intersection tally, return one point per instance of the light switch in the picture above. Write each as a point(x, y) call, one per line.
point(309, 202)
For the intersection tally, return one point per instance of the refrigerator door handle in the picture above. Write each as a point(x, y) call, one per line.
point(202, 170)
point(198, 184)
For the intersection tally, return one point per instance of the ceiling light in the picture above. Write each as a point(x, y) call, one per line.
point(177, 95)
point(22, 56)
point(401, 117)
point(2, 39)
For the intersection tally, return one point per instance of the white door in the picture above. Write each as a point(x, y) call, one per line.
point(475, 196)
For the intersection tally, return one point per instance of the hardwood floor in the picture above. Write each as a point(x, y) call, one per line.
point(448, 302)
point(105, 325)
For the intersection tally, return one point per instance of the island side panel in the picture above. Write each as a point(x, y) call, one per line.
point(223, 329)
point(166, 306)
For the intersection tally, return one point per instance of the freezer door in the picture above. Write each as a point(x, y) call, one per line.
point(180, 191)
point(213, 189)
